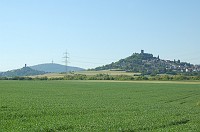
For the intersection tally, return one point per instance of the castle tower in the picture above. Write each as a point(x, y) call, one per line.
point(142, 51)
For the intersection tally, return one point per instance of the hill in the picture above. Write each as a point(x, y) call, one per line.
point(25, 71)
point(147, 64)
point(55, 68)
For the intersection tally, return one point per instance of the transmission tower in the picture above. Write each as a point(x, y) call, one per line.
point(66, 57)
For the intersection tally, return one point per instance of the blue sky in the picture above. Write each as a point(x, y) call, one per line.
point(97, 32)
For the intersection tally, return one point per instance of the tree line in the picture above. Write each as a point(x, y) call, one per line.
point(110, 77)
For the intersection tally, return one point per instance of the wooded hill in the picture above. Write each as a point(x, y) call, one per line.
point(39, 70)
point(55, 68)
point(147, 64)
point(25, 71)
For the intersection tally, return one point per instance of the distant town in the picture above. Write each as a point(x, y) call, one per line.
point(141, 63)
point(148, 64)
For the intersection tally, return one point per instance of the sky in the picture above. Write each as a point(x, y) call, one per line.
point(97, 32)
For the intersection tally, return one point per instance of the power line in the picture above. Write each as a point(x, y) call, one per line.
point(94, 58)
point(66, 57)
point(89, 62)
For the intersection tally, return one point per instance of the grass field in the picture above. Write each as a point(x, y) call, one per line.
point(99, 106)
point(89, 73)
point(109, 72)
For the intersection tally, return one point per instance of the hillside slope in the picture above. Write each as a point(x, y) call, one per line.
point(25, 71)
point(146, 63)
point(55, 68)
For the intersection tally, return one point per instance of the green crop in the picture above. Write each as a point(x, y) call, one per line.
point(51, 106)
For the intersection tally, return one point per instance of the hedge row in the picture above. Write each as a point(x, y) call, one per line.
point(110, 77)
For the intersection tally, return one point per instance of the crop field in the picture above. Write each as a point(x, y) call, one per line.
point(88, 73)
point(109, 72)
point(53, 106)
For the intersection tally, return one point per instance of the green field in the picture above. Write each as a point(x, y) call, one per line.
point(88, 73)
point(99, 106)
